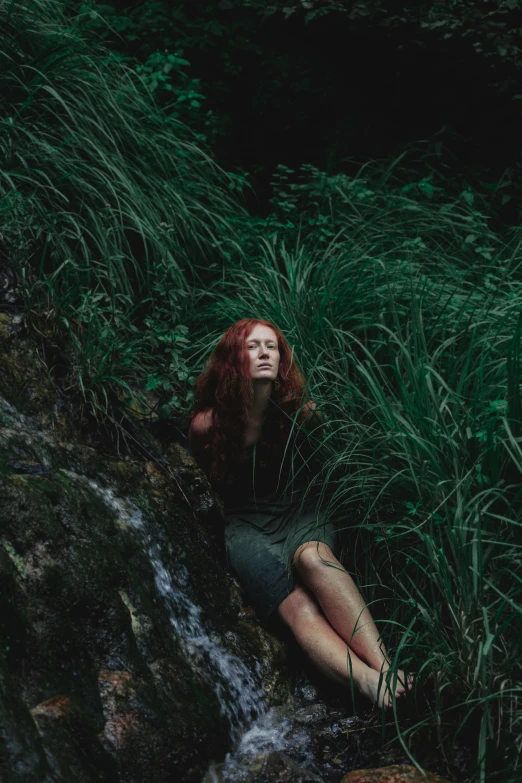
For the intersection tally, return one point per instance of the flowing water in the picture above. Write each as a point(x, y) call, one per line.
point(239, 691)
point(275, 730)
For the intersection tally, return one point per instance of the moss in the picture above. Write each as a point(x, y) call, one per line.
point(137, 627)
point(25, 383)
point(142, 501)
point(13, 633)
point(4, 322)
point(5, 419)
point(125, 471)
point(16, 559)
point(5, 470)
point(47, 486)
point(25, 510)
point(65, 481)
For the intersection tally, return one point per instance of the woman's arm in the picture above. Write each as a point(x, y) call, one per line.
point(198, 435)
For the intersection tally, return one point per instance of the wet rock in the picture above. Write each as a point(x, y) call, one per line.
point(127, 648)
point(32, 468)
point(319, 729)
point(280, 768)
point(22, 757)
point(98, 634)
point(396, 773)
point(10, 293)
point(26, 383)
point(4, 325)
point(66, 738)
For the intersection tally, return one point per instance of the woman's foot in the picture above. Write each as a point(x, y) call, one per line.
point(379, 693)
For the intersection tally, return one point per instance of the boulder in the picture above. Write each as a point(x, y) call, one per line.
point(127, 652)
point(396, 773)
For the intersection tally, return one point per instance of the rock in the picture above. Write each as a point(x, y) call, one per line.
point(397, 773)
point(4, 325)
point(64, 734)
point(21, 751)
point(25, 380)
point(280, 768)
point(123, 635)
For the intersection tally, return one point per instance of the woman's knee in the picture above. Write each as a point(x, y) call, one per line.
point(312, 556)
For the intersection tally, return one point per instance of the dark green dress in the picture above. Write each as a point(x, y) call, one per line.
point(268, 514)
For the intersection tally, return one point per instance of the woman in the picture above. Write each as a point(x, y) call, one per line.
point(249, 432)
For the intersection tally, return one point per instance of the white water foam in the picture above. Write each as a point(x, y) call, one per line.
point(273, 731)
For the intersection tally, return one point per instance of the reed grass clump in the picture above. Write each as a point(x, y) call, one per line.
point(110, 211)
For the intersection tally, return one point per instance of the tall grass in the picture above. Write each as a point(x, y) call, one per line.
point(110, 210)
point(405, 317)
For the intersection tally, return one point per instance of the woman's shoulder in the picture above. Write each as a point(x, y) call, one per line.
point(201, 422)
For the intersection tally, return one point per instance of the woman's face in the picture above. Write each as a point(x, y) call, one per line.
point(262, 348)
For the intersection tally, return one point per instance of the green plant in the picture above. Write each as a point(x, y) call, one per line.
point(110, 209)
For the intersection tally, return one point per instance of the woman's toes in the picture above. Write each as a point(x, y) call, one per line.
point(404, 681)
point(387, 698)
point(385, 701)
point(383, 690)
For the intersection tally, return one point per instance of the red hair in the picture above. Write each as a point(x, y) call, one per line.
point(227, 387)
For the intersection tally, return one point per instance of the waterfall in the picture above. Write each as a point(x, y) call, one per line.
point(239, 691)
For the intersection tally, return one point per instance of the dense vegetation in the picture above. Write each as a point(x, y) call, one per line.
point(401, 296)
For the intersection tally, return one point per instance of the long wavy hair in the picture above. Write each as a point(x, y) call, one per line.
point(227, 387)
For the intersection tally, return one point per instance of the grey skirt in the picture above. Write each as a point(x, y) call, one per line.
point(261, 539)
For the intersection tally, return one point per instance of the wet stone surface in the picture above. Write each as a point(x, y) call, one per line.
point(319, 735)
point(394, 773)
point(127, 651)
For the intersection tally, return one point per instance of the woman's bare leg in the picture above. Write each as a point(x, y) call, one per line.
point(326, 649)
point(342, 604)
